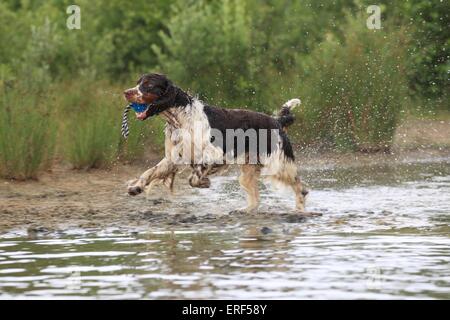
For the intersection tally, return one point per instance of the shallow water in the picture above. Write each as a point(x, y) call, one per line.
point(384, 233)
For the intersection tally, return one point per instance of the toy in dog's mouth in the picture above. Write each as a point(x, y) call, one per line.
point(140, 109)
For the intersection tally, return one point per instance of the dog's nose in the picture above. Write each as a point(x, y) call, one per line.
point(128, 94)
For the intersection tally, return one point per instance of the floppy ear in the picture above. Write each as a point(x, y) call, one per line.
point(167, 99)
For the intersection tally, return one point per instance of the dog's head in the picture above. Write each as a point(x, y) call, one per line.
point(156, 92)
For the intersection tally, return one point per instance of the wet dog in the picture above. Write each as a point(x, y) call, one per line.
point(207, 139)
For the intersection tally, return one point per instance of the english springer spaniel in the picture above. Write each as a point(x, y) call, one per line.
point(207, 139)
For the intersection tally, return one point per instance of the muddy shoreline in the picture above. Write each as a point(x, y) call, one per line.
point(66, 199)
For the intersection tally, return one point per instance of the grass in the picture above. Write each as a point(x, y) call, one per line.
point(91, 126)
point(90, 132)
point(27, 134)
point(77, 122)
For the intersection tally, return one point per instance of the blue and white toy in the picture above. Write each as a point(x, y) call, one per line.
point(137, 107)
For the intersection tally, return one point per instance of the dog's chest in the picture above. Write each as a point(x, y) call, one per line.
point(188, 134)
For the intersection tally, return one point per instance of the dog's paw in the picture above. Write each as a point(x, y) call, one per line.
point(134, 190)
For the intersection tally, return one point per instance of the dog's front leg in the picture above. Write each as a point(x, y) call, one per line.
point(163, 170)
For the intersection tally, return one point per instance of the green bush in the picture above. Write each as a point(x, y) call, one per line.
point(90, 133)
point(430, 50)
point(254, 54)
point(354, 89)
point(240, 53)
point(91, 115)
point(27, 133)
point(207, 49)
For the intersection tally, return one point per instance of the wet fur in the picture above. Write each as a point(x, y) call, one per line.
point(181, 110)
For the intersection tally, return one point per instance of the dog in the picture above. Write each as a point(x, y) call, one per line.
point(184, 114)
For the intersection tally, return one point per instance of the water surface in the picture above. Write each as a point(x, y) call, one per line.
point(384, 233)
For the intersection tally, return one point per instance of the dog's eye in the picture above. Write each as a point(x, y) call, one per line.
point(145, 88)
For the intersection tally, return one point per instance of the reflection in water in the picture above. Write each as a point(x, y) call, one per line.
point(383, 235)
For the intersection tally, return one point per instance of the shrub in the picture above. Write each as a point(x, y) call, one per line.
point(90, 112)
point(219, 68)
point(430, 50)
point(354, 89)
point(27, 132)
point(91, 124)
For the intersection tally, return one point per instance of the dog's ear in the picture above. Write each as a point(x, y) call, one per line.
point(167, 98)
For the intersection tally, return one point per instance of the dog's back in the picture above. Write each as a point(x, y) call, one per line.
point(230, 120)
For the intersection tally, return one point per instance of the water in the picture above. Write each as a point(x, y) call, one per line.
point(385, 233)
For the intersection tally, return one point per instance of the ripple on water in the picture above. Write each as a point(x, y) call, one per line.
point(383, 236)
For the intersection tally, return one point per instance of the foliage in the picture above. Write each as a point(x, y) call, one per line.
point(207, 48)
point(90, 133)
point(354, 89)
point(226, 52)
point(427, 22)
point(250, 54)
point(430, 49)
point(27, 133)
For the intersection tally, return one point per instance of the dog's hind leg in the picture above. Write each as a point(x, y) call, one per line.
point(300, 195)
point(165, 170)
point(285, 174)
point(249, 182)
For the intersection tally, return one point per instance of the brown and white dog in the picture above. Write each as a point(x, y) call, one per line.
point(207, 134)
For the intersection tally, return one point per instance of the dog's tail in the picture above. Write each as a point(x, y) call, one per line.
point(285, 116)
